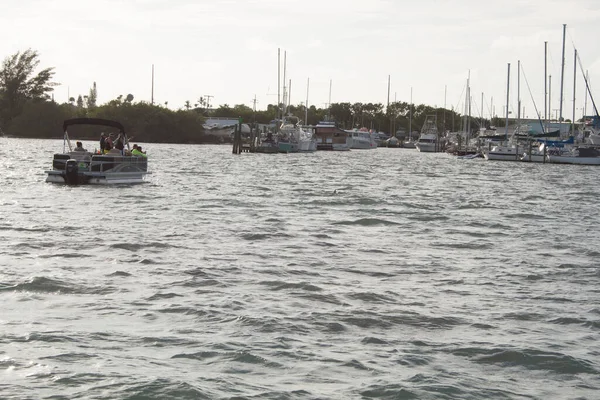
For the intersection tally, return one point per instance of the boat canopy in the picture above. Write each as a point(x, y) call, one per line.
point(92, 121)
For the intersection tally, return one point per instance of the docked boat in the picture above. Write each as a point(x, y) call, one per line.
point(362, 139)
point(268, 145)
point(330, 137)
point(577, 155)
point(305, 140)
point(503, 152)
point(429, 139)
point(392, 142)
point(79, 167)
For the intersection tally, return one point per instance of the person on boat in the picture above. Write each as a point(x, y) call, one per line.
point(137, 151)
point(107, 147)
point(102, 142)
point(119, 144)
point(109, 140)
point(79, 147)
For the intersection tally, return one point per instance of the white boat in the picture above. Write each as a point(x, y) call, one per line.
point(83, 167)
point(429, 139)
point(330, 137)
point(577, 155)
point(362, 139)
point(504, 152)
point(535, 155)
point(291, 128)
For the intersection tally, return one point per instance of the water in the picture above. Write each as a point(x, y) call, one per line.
point(383, 274)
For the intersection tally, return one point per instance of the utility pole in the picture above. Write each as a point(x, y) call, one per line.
point(208, 97)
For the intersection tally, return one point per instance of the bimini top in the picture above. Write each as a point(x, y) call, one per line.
point(92, 121)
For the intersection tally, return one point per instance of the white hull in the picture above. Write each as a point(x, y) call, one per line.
point(363, 146)
point(340, 147)
point(332, 146)
point(99, 178)
point(307, 145)
point(503, 153)
point(501, 156)
point(574, 160)
point(533, 158)
point(426, 147)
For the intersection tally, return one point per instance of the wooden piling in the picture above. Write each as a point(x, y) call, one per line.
point(237, 138)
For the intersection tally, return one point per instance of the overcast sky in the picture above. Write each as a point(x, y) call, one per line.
point(228, 49)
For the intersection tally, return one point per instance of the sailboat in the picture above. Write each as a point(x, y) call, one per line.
point(505, 151)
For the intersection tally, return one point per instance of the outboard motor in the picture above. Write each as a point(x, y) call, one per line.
point(72, 172)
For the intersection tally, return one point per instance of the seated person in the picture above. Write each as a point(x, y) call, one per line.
point(107, 147)
point(79, 147)
point(137, 151)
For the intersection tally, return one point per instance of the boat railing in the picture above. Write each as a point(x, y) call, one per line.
point(102, 163)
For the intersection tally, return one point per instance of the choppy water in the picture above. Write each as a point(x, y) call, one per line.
point(384, 274)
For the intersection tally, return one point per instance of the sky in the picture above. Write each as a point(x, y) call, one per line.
point(227, 49)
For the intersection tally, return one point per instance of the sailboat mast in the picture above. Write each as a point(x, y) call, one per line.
point(445, 95)
point(545, 81)
point(481, 123)
point(469, 115)
point(562, 74)
point(329, 104)
point(278, 83)
point(466, 110)
point(518, 92)
point(587, 78)
point(306, 107)
point(574, 89)
point(410, 116)
point(388, 98)
point(550, 97)
point(507, 100)
point(388, 105)
point(152, 93)
point(285, 89)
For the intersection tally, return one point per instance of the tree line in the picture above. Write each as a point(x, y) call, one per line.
point(28, 109)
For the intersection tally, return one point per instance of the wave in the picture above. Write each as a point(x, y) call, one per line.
point(528, 358)
point(164, 389)
point(279, 285)
point(48, 285)
point(367, 222)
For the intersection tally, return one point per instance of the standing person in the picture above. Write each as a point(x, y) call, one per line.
point(102, 142)
point(109, 140)
point(119, 144)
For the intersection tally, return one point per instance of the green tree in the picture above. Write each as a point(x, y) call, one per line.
point(92, 97)
point(19, 83)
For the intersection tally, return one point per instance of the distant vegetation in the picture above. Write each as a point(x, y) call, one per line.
point(28, 109)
